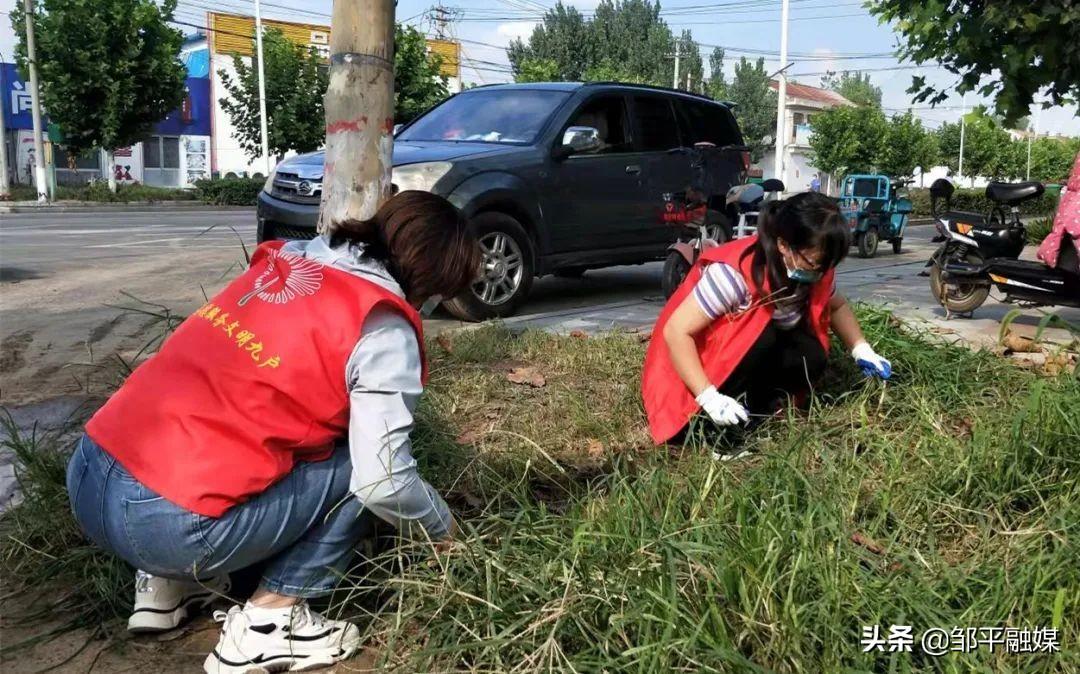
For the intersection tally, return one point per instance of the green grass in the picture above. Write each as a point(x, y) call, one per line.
point(585, 548)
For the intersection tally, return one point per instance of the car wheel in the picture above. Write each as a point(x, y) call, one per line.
point(867, 242)
point(676, 268)
point(896, 245)
point(507, 272)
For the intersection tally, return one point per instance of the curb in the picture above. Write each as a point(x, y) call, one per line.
point(105, 207)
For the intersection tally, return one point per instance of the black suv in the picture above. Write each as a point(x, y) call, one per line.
point(557, 177)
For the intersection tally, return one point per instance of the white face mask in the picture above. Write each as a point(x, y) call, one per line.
point(430, 305)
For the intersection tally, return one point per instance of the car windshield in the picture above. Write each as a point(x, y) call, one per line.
point(504, 116)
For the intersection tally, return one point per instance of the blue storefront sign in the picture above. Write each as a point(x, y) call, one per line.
point(192, 118)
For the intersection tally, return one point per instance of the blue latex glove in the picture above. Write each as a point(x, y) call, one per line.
point(870, 363)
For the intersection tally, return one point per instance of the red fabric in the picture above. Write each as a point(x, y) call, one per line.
point(669, 404)
point(250, 383)
point(1067, 221)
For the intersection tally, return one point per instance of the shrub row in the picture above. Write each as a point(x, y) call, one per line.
point(975, 200)
point(229, 191)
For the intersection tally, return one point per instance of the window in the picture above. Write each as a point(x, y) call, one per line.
point(88, 161)
point(656, 126)
point(703, 122)
point(492, 116)
point(606, 114)
point(161, 152)
point(796, 122)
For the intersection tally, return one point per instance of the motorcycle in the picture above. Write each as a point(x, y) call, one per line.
point(981, 251)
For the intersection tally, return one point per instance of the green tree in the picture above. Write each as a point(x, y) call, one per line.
point(562, 38)
point(1008, 49)
point(537, 70)
point(108, 69)
point(296, 80)
point(418, 84)
point(1052, 158)
point(848, 139)
point(716, 86)
point(854, 86)
point(632, 34)
point(691, 67)
point(755, 104)
point(609, 71)
point(986, 146)
point(905, 146)
point(948, 140)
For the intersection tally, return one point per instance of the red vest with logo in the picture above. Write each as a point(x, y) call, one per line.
point(249, 384)
point(669, 404)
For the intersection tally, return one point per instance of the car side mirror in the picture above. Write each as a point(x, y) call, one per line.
point(397, 128)
point(578, 140)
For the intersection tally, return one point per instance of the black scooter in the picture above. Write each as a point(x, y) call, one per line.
point(980, 251)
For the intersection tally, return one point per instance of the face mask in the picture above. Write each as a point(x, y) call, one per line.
point(430, 305)
point(799, 275)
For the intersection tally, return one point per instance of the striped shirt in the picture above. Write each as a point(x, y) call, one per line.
point(723, 290)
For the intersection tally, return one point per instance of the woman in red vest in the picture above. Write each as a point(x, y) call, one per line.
point(271, 427)
point(751, 321)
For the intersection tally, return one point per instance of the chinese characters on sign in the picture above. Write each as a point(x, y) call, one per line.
point(244, 340)
point(935, 641)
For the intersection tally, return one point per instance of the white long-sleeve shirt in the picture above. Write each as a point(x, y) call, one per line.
point(383, 376)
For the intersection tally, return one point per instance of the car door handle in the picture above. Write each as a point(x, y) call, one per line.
point(633, 169)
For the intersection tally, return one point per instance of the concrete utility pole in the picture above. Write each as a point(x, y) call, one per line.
point(35, 105)
point(359, 111)
point(963, 114)
point(1033, 131)
point(262, 89)
point(779, 164)
point(675, 81)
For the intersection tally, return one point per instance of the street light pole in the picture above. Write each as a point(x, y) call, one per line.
point(35, 104)
point(963, 114)
point(5, 187)
point(262, 88)
point(675, 81)
point(1034, 131)
point(781, 99)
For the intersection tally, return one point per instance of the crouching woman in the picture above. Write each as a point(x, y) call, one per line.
point(270, 427)
point(749, 325)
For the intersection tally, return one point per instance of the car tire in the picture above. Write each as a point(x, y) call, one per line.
point(867, 242)
point(508, 270)
point(897, 244)
point(676, 268)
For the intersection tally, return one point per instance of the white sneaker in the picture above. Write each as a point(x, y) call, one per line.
point(256, 639)
point(162, 604)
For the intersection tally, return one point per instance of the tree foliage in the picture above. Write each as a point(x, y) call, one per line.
point(755, 104)
point(906, 145)
point(108, 69)
point(418, 84)
point(625, 40)
point(717, 85)
point(691, 67)
point(296, 79)
point(854, 86)
point(1007, 49)
point(848, 139)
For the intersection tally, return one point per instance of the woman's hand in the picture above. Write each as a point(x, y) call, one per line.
point(871, 364)
point(722, 409)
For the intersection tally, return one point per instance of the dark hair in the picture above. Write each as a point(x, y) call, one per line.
point(425, 241)
point(806, 220)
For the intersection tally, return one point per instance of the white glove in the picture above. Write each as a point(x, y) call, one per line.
point(871, 364)
point(724, 411)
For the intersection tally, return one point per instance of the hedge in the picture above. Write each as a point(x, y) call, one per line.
point(229, 191)
point(975, 200)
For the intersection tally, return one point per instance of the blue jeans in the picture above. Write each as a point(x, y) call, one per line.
point(305, 526)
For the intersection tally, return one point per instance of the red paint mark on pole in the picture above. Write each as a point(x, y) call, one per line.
point(388, 125)
point(344, 125)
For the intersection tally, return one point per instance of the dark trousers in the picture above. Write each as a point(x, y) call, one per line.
point(779, 364)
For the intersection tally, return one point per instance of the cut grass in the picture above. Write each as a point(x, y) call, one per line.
point(947, 497)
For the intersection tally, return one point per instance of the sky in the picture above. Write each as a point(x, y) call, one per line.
point(824, 34)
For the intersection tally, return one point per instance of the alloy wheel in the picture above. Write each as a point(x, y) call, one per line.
point(503, 268)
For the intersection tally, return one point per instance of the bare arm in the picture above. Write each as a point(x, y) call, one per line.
point(685, 322)
point(844, 323)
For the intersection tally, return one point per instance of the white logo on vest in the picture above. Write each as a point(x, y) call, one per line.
point(280, 283)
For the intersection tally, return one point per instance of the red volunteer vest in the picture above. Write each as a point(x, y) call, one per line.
point(669, 405)
point(249, 384)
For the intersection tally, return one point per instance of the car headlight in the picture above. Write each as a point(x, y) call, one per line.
point(419, 176)
point(268, 186)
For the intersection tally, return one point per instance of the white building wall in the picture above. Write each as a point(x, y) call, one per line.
point(228, 157)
